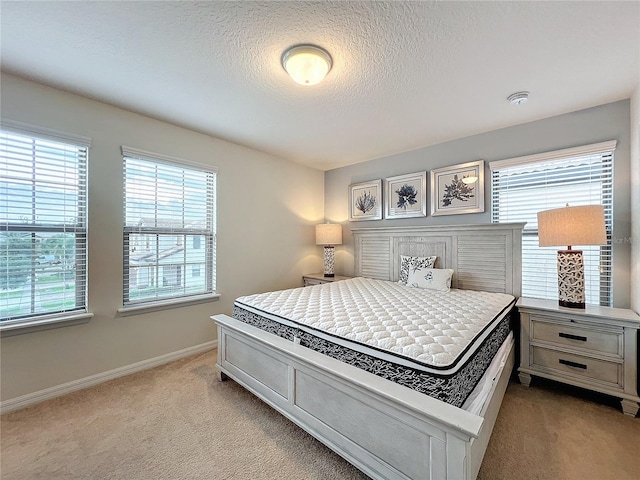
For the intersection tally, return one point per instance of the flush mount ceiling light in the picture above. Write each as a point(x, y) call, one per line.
point(518, 98)
point(306, 64)
point(469, 179)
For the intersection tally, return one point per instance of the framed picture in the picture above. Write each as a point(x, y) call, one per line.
point(365, 201)
point(406, 196)
point(458, 189)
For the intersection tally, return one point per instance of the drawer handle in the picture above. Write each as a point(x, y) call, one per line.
point(572, 364)
point(572, 337)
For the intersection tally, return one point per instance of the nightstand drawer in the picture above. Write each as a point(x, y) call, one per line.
point(312, 281)
point(577, 365)
point(599, 340)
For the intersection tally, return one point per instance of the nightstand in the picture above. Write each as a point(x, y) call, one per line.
point(318, 278)
point(595, 348)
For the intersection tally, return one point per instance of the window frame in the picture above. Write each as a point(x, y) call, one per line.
point(80, 314)
point(605, 150)
point(148, 305)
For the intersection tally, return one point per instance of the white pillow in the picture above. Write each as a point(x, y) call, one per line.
point(431, 278)
point(408, 263)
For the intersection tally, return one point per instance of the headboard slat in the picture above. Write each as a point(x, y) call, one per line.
point(371, 249)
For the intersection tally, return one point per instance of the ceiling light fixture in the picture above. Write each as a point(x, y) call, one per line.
point(307, 64)
point(469, 179)
point(518, 98)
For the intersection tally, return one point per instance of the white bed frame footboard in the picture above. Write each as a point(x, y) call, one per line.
point(386, 430)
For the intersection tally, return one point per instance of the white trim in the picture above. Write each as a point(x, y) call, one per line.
point(44, 322)
point(145, 155)
point(136, 309)
point(43, 132)
point(593, 149)
point(82, 383)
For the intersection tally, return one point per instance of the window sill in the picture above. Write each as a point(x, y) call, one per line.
point(165, 305)
point(10, 328)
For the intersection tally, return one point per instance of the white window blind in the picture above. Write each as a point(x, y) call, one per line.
point(169, 228)
point(43, 218)
point(522, 187)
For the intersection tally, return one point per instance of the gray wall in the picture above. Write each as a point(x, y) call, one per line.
point(606, 122)
point(266, 238)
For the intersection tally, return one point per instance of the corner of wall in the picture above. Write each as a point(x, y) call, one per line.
point(635, 199)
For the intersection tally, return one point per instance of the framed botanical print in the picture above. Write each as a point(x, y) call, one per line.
point(365, 201)
point(406, 196)
point(458, 189)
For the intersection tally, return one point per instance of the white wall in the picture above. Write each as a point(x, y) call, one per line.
point(606, 122)
point(635, 200)
point(267, 208)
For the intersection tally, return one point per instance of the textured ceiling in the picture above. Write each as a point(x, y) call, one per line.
point(405, 74)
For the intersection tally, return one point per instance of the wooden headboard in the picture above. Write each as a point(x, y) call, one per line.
point(483, 256)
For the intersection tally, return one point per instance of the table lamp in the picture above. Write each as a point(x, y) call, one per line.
point(583, 225)
point(329, 234)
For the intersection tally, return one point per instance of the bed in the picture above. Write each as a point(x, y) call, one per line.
point(360, 413)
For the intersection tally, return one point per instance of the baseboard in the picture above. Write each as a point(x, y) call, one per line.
point(52, 392)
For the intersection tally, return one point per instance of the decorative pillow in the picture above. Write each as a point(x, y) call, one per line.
point(431, 278)
point(408, 263)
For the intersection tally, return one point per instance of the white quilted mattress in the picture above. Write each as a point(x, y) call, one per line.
point(425, 329)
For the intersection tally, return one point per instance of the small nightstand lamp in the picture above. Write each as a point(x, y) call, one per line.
point(329, 234)
point(582, 225)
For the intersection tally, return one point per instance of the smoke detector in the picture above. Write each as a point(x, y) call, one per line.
point(518, 98)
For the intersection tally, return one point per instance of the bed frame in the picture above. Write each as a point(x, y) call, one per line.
point(386, 430)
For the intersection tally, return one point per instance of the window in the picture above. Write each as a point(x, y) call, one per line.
point(169, 212)
point(43, 218)
point(521, 187)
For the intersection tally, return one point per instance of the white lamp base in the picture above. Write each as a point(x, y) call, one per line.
point(329, 261)
point(571, 279)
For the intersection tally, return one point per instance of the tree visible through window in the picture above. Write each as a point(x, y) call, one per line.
point(169, 212)
point(43, 240)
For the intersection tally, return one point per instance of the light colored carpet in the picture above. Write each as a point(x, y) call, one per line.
point(178, 422)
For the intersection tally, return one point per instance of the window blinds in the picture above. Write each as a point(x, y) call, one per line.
point(43, 217)
point(522, 187)
point(169, 228)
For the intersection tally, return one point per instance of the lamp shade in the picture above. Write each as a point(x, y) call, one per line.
point(329, 234)
point(583, 225)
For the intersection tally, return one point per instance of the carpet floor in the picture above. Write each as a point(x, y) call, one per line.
point(178, 422)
